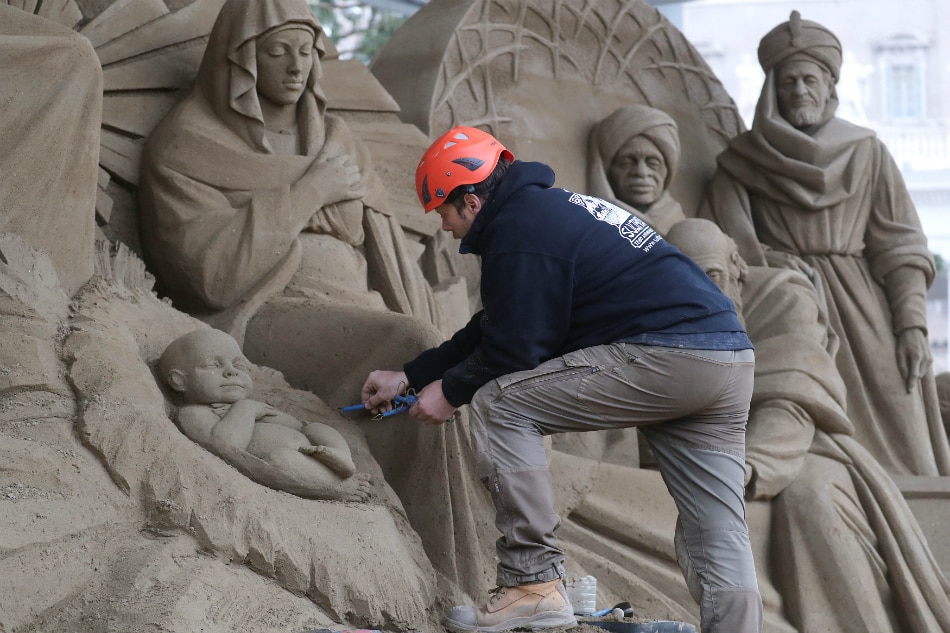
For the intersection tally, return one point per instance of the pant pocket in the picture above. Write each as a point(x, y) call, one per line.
point(543, 375)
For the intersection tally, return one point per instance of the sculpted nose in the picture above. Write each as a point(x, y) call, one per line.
point(230, 370)
point(294, 65)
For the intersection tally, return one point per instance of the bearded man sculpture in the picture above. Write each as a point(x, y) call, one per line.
point(806, 190)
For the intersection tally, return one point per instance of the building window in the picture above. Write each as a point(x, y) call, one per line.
point(902, 61)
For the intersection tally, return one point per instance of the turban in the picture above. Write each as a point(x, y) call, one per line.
point(637, 120)
point(800, 37)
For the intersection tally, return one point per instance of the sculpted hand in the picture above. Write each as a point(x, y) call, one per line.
point(381, 387)
point(340, 179)
point(781, 259)
point(254, 408)
point(333, 458)
point(913, 356)
point(431, 406)
point(266, 411)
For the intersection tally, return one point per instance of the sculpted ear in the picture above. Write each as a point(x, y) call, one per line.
point(740, 265)
point(176, 380)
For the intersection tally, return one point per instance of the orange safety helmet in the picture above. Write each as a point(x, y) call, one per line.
point(462, 156)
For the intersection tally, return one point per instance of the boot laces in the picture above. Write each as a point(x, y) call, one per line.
point(497, 594)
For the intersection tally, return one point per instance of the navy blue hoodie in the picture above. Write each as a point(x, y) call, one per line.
point(563, 271)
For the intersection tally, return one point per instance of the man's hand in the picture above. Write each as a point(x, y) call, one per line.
point(381, 387)
point(913, 356)
point(431, 407)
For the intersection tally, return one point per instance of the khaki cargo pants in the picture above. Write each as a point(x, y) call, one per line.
point(691, 406)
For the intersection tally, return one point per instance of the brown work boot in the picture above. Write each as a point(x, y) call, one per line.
point(539, 606)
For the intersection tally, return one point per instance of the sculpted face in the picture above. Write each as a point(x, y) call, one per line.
point(213, 370)
point(716, 254)
point(638, 172)
point(723, 272)
point(803, 90)
point(284, 60)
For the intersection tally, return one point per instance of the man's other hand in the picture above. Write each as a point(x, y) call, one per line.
point(431, 407)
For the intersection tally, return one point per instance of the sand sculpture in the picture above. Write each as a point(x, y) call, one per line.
point(632, 159)
point(804, 189)
point(250, 190)
point(120, 520)
point(150, 51)
point(114, 519)
point(499, 68)
point(211, 378)
point(837, 516)
point(280, 248)
point(69, 81)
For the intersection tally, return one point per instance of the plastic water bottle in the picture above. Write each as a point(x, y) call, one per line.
point(582, 593)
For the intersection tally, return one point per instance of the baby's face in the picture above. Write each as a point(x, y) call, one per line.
point(216, 372)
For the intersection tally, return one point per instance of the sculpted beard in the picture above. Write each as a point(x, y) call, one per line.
point(804, 116)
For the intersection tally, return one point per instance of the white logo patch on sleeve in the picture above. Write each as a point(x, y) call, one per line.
point(631, 228)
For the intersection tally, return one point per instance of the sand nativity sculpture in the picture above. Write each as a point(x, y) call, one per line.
point(137, 122)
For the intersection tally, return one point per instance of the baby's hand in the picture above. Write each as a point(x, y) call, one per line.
point(336, 460)
point(265, 410)
point(249, 407)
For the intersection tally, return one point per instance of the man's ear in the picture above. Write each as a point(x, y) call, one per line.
point(176, 380)
point(473, 202)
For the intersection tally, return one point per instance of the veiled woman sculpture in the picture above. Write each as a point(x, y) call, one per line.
point(251, 191)
point(262, 215)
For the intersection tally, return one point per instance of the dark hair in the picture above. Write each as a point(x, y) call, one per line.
point(481, 189)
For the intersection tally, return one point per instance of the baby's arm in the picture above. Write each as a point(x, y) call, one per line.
point(196, 422)
point(329, 448)
point(284, 419)
point(234, 428)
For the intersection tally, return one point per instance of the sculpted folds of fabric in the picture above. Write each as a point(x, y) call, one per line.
point(836, 201)
point(218, 214)
point(840, 530)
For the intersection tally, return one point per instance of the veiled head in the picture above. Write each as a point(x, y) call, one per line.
point(230, 72)
point(285, 57)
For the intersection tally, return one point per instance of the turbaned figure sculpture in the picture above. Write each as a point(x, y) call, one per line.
point(806, 190)
point(631, 160)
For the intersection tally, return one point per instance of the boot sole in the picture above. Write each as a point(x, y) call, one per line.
point(546, 620)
